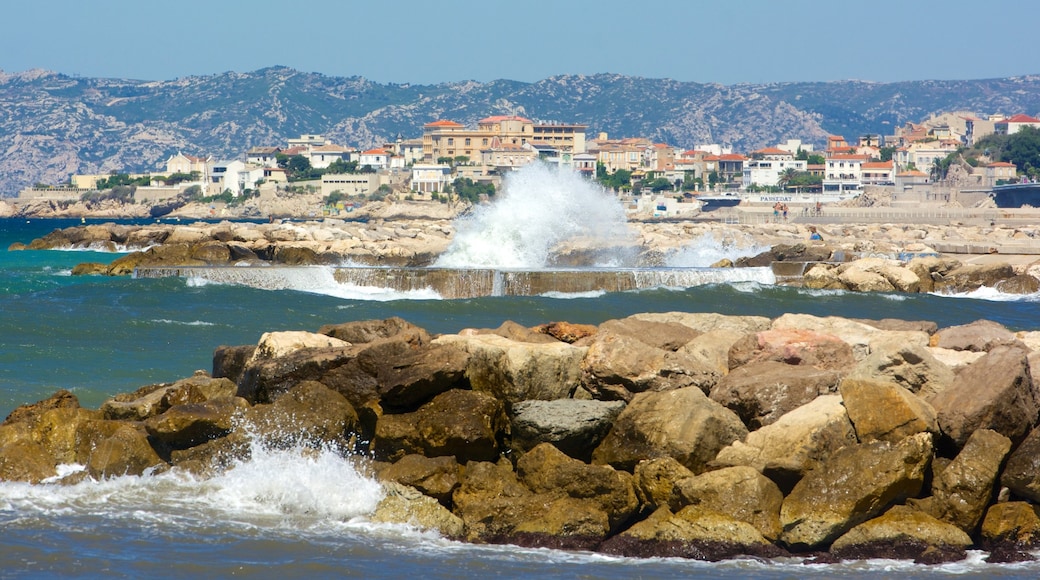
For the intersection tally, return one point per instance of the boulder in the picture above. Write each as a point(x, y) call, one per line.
point(402, 504)
point(117, 448)
point(546, 469)
point(278, 344)
point(568, 332)
point(617, 366)
point(885, 411)
point(1022, 473)
point(740, 492)
point(1019, 284)
point(704, 322)
point(861, 336)
point(996, 392)
point(465, 424)
point(911, 366)
point(663, 335)
point(694, 532)
point(905, 534)
point(308, 414)
point(61, 399)
point(492, 502)
point(191, 424)
point(761, 392)
point(265, 379)
point(823, 277)
point(516, 371)
point(968, 277)
point(855, 484)
point(230, 361)
point(366, 331)
point(797, 442)
point(963, 490)
point(573, 426)
point(794, 347)
point(978, 336)
point(1013, 524)
point(683, 423)
point(437, 477)
point(23, 460)
point(520, 333)
point(655, 480)
point(409, 377)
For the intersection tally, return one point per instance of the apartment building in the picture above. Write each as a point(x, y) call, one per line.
point(446, 138)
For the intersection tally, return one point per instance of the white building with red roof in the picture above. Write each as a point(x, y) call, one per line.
point(377, 159)
point(1014, 124)
point(844, 173)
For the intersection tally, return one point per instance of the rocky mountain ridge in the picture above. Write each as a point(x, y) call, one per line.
point(53, 125)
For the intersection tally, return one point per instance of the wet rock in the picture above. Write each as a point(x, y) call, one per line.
point(855, 484)
point(761, 392)
point(968, 277)
point(117, 448)
point(191, 424)
point(694, 533)
point(905, 534)
point(307, 414)
point(996, 392)
point(885, 411)
point(230, 361)
point(575, 427)
point(683, 423)
point(264, 379)
point(402, 504)
point(437, 477)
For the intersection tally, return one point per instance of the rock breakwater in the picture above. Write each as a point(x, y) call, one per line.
point(663, 434)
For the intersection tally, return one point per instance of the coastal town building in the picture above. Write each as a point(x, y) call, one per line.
point(375, 158)
point(765, 167)
point(430, 178)
point(324, 155)
point(1015, 124)
point(449, 139)
point(878, 173)
point(844, 172)
point(263, 156)
point(350, 184)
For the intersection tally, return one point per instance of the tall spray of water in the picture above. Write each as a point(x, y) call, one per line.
point(539, 210)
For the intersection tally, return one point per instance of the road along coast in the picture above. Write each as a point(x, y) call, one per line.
point(693, 435)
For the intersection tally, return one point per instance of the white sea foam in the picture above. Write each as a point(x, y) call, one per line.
point(183, 323)
point(310, 279)
point(709, 249)
point(573, 295)
point(538, 208)
point(993, 295)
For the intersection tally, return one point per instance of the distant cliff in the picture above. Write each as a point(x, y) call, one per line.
point(53, 125)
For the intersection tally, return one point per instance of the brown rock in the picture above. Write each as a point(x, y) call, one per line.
point(192, 424)
point(979, 336)
point(761, 392)
point(996, 392)
point(367, 331)
point(968, 277)
point(573, 426)
point(465, 424)
point(855, 484)
point(793, 346)
point(964, 489)
point(118, 448)
point(1019, 284)
point(230, 361)
point(903, 533)
point(437, 477)
point(1022, 472)
point(663, 335)
point(655, 481)
point(885, 411)
point(568, 332)
point(1014, 524)
point(683, 423)
point(307, 414)
point(739, 492)
point(546, 469)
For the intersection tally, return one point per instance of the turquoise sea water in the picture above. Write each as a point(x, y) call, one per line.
point(284, 515)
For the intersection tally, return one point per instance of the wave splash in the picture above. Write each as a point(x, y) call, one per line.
point(538, 209)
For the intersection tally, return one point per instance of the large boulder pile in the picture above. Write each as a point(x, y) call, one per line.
point(671, 434)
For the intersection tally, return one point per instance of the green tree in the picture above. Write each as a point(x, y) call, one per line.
point(469, 190)
point(785, 177)
point(1023, 149)
point(341, 166)
point(887, 153)
point(658, 184)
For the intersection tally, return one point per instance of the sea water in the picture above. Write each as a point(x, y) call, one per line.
point(286, 514)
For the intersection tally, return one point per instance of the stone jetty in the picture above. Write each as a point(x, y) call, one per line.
point(693, 435)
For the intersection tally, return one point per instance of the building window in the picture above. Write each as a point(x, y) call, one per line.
point(467, 142)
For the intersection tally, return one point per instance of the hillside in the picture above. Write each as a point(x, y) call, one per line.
point(53, 125)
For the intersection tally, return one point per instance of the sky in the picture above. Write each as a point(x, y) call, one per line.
point(432, 41)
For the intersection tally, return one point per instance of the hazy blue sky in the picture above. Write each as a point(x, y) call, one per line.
point(449, 40)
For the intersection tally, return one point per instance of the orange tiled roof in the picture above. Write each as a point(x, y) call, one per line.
point(877, 165)
point(1020, 118)
point(443, 123)
point(375, 152)
point(1000, 164)
point(774, 151)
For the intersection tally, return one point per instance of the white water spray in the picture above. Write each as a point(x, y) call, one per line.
point(538, 209)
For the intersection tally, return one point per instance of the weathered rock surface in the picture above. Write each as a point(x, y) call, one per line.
point(855, 484)
point(904, 533)
point(573, 426)
point(683, 424)
point(885, 411)
point(761, 392)
point(963, 490)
